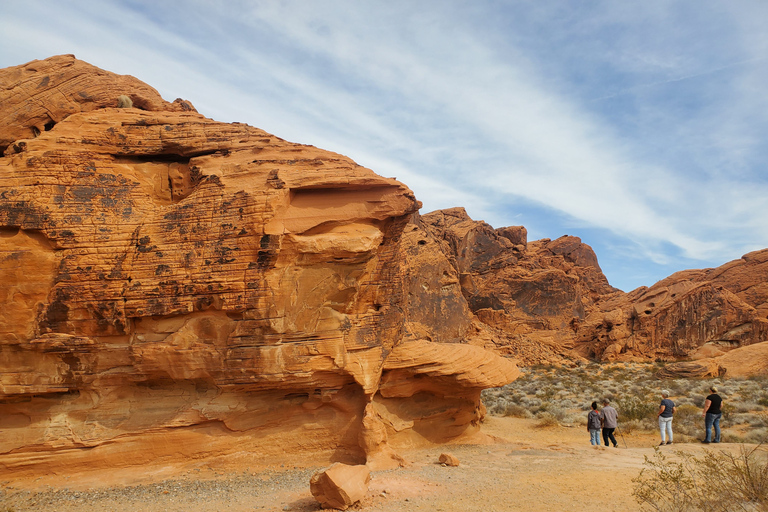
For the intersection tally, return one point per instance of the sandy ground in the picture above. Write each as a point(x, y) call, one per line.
point(528, 468)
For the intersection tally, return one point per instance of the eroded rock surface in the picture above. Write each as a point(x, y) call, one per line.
point(179, 288)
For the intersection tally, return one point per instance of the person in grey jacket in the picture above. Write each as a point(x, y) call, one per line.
point(594, 425)
point(609, 418)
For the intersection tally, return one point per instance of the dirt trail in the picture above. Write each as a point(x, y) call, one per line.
point(528, 468)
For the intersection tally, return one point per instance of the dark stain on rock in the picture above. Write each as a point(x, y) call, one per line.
point(57, 312)
point(143, 245)
point(162, 269)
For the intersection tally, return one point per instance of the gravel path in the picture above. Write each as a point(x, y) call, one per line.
point(268, 490)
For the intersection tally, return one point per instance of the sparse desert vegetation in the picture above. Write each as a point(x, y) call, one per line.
point(713, 482)
point(671, 481)
point(565, 394)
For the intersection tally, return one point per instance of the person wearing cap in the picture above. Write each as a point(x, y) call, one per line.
point(712, 414)
point(609, 419)
point(666, 411)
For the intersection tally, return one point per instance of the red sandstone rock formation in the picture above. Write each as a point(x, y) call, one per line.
point(177, 288)
point(547, 301)
point(690, 314)
point(532, 297)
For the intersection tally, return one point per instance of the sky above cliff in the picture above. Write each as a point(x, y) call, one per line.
point(638, 126)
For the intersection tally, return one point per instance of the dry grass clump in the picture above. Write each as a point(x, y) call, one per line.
point(713, 482)
point(547, 419)
point(632, 388)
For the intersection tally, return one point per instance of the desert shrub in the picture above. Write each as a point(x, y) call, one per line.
point(757, 436)
point(730, 437)
point(547, 419)
point(688, 421)
point(713, 482)
point(754, 420)
point(630, 426)
point(687, 412)
point(742, 406)
point(516, 411)
point(685, 400)
point(635, 408)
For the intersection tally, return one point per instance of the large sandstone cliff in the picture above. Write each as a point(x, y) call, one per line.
point(176, 288)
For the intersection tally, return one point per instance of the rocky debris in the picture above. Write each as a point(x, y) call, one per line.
point(340, 486)
point(446, 459)
point(180, 288)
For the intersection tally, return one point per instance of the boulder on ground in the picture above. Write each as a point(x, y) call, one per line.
point(448, 460)
point(340, 486)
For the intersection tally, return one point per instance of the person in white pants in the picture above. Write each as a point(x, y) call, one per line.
point(666, 411)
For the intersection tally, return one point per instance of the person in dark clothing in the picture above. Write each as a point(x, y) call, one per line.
point(712, 414)
point(609, 419)
point(594, 425)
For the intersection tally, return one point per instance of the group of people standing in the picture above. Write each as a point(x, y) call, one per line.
point(606, 420)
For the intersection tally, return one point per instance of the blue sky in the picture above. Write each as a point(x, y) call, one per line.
point(638, 126)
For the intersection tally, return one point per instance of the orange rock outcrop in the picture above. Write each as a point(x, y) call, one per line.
point(547, 301)
point(178, 289)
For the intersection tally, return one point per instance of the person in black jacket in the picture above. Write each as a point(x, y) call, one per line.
point(712, 414)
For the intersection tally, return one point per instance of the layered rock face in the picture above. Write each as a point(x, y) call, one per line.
point(548, 301)
point(691, 314)
point(179, 288)
point(530, 299)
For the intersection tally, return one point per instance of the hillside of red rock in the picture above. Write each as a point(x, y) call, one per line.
point(177, 288)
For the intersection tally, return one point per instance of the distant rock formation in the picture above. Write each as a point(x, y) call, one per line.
point(529, 299)
point(547, 301)
point(691, 314)
point(179, 288)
